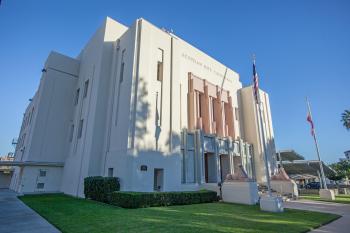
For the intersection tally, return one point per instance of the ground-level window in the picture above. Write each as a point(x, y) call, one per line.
point(40, 185)
point(110, 172)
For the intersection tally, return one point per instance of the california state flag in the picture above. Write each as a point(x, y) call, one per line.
point(309, 119)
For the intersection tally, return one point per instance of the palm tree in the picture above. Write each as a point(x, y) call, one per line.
point(345, 118)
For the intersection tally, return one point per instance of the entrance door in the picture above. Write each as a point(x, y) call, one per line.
point(224, 166)
point(158, 179)
point(210, 168)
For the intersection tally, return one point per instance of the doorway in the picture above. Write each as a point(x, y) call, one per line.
point(158, 179)
point(210, 168)
point(224, 166)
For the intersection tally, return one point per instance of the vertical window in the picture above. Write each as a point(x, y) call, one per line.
point(80, 129)
point(110, 172)
point(71, 132)
point(213, 109)
point(31, 116)
point(237, 114)
point(160, 56)
point(121, 76)
point(77, 97)
point(86, 88)
point(42, 173)
point(199, 104)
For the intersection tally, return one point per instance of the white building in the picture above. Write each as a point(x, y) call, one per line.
point(141, 104)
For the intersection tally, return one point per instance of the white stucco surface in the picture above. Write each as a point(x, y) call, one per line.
point(124, 103)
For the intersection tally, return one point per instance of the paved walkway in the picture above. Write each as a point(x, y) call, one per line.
point(342, 225)
point(16, 217)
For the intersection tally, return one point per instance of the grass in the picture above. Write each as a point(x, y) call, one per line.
point(71, 214)
point(344, 199)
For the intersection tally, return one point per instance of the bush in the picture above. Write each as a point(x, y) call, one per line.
point(99, 188)
point(141, 199)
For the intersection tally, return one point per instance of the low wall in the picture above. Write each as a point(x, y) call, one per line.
point(314, 191)
point(240, 192)
point(285, 187)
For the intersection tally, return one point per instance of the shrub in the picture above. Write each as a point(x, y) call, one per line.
point(99, 188)
point(142, 199)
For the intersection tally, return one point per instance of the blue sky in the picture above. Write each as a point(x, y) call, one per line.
point(302, 49)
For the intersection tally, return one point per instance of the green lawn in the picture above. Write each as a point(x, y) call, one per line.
point(345, 199)
point(79, 215)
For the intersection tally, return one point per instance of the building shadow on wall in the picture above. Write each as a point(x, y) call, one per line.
point(143, 113)
point(142, 110)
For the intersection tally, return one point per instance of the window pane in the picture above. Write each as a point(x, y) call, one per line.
point(189, 161)
point(110, 172)
point(71, 133)
point(42, 173)
point(80, 128)
point(86, 87)
point(76, 97)
point(121, 73)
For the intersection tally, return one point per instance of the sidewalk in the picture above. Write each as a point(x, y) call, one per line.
point(16, 217)
point(342, 225)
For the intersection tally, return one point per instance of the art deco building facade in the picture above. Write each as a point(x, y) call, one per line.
point(141, 104)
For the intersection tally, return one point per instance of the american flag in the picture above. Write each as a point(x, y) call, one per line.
point(256, 83)
point(309, 119)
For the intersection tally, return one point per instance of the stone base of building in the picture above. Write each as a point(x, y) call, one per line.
point(240, 192)
point(271, 204)
point(327, 194)
point(285, 187)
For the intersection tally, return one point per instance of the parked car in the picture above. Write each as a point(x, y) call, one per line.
point(313, 185)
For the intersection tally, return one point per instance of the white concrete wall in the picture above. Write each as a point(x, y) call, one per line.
point(30, 178)
point(119, 128)
point(180, 58)
point(86, 153)
point(47, 118)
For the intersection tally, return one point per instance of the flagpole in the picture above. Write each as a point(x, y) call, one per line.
point(323, 178)
point(259, 104)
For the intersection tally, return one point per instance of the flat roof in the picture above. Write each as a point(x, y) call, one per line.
point(31, 163)
point(289, 155)
point(305, 167)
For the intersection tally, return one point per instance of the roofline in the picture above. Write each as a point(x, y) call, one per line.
point(31, 164)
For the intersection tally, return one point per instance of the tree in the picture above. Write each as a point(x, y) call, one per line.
point(345, 118)
point(342, 169)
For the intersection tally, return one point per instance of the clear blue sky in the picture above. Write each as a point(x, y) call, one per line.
point(302, 48)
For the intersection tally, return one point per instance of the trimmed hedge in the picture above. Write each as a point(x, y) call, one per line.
point(142, 199)
point(99, 188)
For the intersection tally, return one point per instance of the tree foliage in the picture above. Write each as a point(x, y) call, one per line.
point(345, 118)
point(342, 169)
